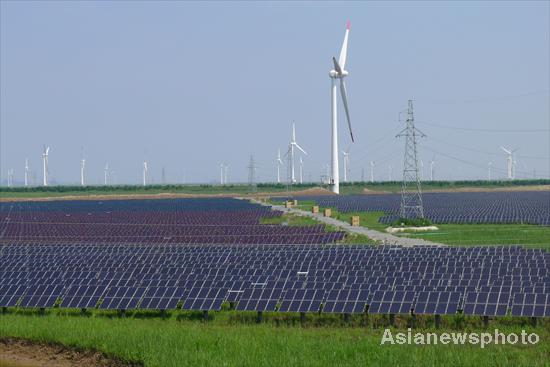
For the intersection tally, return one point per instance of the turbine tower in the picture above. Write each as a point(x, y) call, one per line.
point(26, 171)
point(45, 153)
point(432, 162)
point(338, 72)
point(10, 177)
point(221, 174)
point(490, 168)
point(290, 154)
point(510, 162)
point(279, 163)
point(145, 173)
point(82, 165)
point(106, 174)
point(346, 165)
point(372, 165)
point(301, 170)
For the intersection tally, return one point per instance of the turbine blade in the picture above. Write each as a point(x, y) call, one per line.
point(337, 66)
point(345, 100)
point(299, 147)
point(344, 50)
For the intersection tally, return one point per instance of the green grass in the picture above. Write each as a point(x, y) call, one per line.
point(488, 234)
point(182, 341)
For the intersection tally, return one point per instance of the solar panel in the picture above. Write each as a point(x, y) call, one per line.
point(531, 304)
point(486, 304)
point(392, 302)
point(437, 303)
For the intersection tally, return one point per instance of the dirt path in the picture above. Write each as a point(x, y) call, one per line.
point(24, 353)
point(384, 238)
point(314, 191)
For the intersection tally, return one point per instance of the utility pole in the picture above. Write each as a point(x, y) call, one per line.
point(252, 175)
point(411, 193)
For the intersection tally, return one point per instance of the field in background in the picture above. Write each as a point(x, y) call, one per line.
point(456, 234)
point(231, 338)
point(243, 189)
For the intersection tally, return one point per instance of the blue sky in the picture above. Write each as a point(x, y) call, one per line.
point(188, 85)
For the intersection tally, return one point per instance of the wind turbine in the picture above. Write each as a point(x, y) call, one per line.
point(510, 161)
point(290, 153)
point(221, 174)
point(106, 174)
point(45, 153)
point(145, 173)
point(346, 164)
point(421, 170)
point(432, 162)
point(301, 170)
point(10, 177)
point(338, 72)
point(372, 165)
point(26, 171)
point(279, 163)
point(490, 167)
point(82, 165)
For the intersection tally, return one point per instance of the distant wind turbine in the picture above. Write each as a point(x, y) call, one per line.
point(26, 172)
point(145, 173)
point(346, 165)
point(45, 154)
point(290, 153)
point(106, 174)
point(279, 163)
point(510, 162)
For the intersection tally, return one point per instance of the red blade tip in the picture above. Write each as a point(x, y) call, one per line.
point(348, 25)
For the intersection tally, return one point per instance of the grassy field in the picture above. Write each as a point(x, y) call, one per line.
point(458, 234)
point(223, 341)
point(298, 220)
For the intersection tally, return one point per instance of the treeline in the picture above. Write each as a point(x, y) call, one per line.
point(263, 186)
point(473, 183)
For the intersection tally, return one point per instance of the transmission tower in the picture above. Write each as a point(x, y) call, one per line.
point(252, 175)
point(411, 193)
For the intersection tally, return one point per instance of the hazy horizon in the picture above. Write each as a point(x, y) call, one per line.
point(189, 85)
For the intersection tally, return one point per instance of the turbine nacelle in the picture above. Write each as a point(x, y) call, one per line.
point(335, 74)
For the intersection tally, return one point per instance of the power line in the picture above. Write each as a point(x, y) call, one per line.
point(485, 130)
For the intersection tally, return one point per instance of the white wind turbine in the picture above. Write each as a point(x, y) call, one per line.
point(279, 163)
point(290, 153)
point(145, 173)
point(346, 165)
point(26, 171)
point(510, 162)
point(106, 174)
point(10, 177)
point(221, 174)
point(372, 165)
point(82, 165)
point(338, 72)
point(45, 153)
point(301, 170)
point(432, 162)
point(490, 168)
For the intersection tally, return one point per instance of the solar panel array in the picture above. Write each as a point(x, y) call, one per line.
point(531, 207)
point(284, 278)
point(179, 221)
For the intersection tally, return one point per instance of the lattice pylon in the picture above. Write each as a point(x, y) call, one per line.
point(411, 191)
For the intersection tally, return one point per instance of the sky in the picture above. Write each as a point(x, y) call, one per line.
point(186, 86)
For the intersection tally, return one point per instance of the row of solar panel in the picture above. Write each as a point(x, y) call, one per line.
point(272, 299)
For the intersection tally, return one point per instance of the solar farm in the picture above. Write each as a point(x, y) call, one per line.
point(214, 260)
